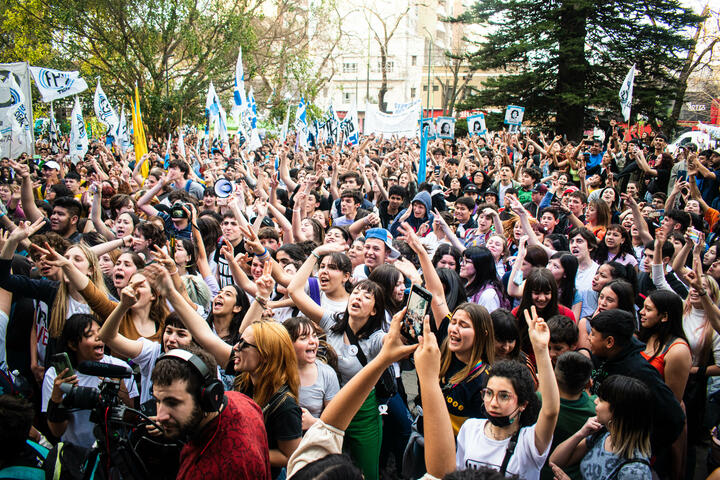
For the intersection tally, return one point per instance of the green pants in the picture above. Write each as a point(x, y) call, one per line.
point(363, 438)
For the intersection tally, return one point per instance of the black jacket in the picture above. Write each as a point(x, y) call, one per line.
point(669, 417)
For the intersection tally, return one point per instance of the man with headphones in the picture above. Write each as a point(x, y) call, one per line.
point(224, 431)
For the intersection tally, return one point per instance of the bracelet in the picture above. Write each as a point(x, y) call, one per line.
point(194, 225)
point(315, 255)
point(702, 293)
point(264, 256)
point(261, 300)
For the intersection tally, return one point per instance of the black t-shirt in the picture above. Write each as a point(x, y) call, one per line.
point(283, 421)
point(464, 400)
point(660, 182)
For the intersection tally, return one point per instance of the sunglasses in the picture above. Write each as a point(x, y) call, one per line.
point(243, 344)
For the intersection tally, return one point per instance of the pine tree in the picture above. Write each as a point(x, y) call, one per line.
point(564, 60)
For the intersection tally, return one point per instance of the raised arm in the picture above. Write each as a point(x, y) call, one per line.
point(105, 247)
point(109, 332)
point(640, 223)
point(547, 385)
point(95, 209)
point(639, 157)
point(432, 280)
point(439, 438)
point(144, 201)
point(27, 196)
point(201, 332)
point(296, 289)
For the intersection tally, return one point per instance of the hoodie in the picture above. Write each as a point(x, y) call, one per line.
point(424, 198)
point(669, 417)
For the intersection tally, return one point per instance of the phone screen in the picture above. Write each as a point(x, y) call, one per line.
point(61, 361)
point(417, 305)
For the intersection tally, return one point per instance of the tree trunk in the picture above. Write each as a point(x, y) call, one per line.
point(383, 87)
point(572, 69)
point(688, 68)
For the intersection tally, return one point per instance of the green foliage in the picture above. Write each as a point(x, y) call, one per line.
point(461, 128)
point(564, 60)
point(23, 37)
point(172, 49)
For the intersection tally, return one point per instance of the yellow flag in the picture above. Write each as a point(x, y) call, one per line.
point(139, 134)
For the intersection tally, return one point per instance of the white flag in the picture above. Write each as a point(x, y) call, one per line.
point(54, 133)
point(104, 112)
point(78, 134)
point(121, 133)
point(286, 122)
point(55, 84)
point(239, 99)
point(16, 131)
point(626, 93)
point(181, 144)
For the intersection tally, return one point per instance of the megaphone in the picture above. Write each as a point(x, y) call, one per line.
point(224, 188)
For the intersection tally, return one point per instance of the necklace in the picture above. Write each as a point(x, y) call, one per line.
point(502, 436)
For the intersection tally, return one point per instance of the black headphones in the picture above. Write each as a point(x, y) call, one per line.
point(212, 390)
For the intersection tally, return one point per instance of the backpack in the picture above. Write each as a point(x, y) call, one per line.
point(71, 462)
point(27, 473)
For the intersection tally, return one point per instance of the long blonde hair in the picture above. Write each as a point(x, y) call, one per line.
point(278, 364)
point(58, 315)
point(713, 291)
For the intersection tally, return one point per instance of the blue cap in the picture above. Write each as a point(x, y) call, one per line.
point(384, 235)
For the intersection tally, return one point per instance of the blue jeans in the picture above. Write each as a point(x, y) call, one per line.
point(397, 426)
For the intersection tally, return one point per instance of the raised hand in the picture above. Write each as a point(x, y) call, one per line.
point(129, 295)
point(538, 330)
point(252, 244)
point(394, 349)
point(427, 355)
point(409, 236)
point(50, 256)
point(164, 258)
point(158, 276)
point(265, 284)
point(25, 230)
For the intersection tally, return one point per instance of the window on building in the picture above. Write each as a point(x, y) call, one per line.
point(435, 88)
point(389, 66)
point(413, 92)
point(424, 88)
point(348, 97)
point(413, 60)
point(350, 67)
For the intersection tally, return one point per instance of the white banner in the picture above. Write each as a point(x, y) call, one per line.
point(403, 124)
point(16, 129)
point(55, 84)
point(78, 134)
point(121, 134)
point(476, 124)
point(626, 93)
point(350, 127)
point(104, 112)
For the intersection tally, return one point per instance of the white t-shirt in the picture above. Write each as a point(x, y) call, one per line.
point(146, 361)
point(332, 306)
point(80, 429)
point(584, 278)
point(475, 449)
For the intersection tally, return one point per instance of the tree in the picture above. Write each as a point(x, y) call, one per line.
point(564, 60)
point(383, 29)
point(704, 42)
point(23, 38)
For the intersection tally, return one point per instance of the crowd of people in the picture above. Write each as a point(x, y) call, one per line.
point(260, 300)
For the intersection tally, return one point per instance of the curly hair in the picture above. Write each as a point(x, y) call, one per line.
point(524, 386)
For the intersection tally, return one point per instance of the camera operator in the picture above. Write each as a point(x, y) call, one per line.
point(81, 341)
point(17, 452)
point(225, 432)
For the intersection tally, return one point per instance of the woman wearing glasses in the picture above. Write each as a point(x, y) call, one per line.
point(263, 361)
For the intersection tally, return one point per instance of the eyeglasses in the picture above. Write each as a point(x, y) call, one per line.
point(243, 344)
point(502, 396)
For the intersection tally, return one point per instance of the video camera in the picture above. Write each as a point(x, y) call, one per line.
point(125, 449)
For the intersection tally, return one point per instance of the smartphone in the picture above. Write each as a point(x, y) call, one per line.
point(418, 303)
point(694, 235)
point(61, 361)
point(437, 169)
point(682, 175)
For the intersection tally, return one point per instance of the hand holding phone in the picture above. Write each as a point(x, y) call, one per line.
point(61, 361)
point(418, 303)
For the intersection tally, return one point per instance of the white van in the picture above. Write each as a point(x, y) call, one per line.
point(701, 139)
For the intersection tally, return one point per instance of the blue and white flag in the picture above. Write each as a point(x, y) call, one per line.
point(332, 126)
point(301, 125)
point(216, 119)
point(239, 99)
point(626, 93)
point(350, 127)
point(55, 84)
point(252, 108)
point(78, 133)
point(17, 130)
point(104, 112)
